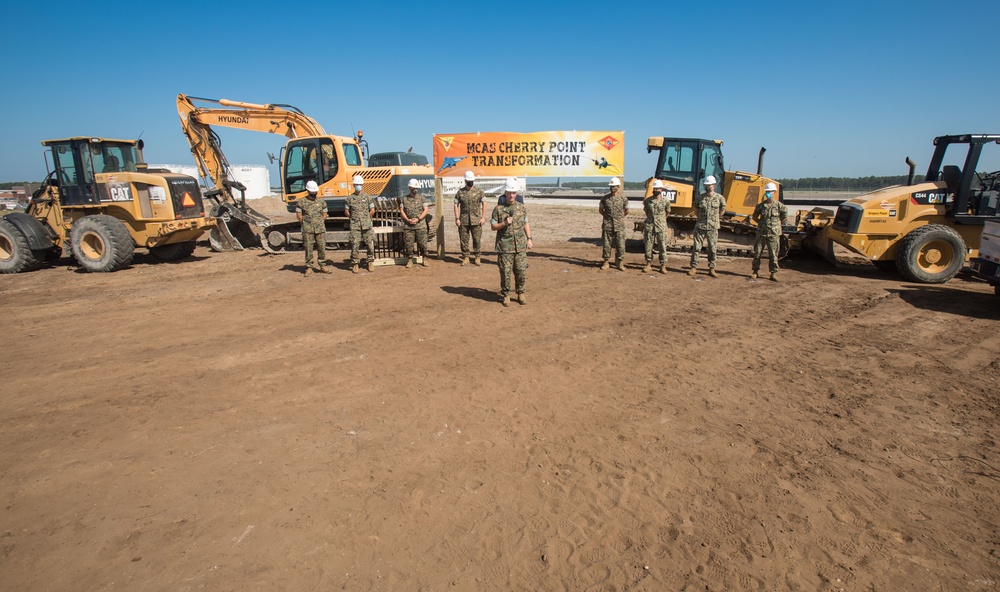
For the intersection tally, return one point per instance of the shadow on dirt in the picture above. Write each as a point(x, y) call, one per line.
point(470, 292)
point(952, 300)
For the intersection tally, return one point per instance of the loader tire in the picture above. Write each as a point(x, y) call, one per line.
point(173, 252)
point(101, 243)
point(931, 254)
point(15, 255)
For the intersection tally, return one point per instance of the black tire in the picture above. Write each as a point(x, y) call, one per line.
point(15, 255)
point(931, 254)
point(173, 252)
point(101, 243)
point(886, 265)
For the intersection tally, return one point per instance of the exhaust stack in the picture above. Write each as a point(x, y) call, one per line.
point(913, 168)
point(760, 161)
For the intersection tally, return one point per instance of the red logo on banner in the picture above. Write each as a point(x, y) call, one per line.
point(608, 142)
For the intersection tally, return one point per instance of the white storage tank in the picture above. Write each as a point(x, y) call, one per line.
point(256, 178)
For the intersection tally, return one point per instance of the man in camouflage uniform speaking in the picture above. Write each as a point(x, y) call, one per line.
point(311, 212)
point(470, 213)
point(360, 208)
point(413, 209)
point(510, 221)
point(657, 208)
point(614, 208)
point(769, 215)
point(711, 207)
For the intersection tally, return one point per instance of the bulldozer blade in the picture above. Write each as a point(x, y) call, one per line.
point(821, 244)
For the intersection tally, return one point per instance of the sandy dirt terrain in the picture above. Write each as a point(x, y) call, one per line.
point(225, 423)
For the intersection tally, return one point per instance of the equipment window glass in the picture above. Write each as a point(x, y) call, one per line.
point(330, 165)
point(300, 166)
point(351, 155)
point(65, 164)
point(677, 161)
point(711, 163)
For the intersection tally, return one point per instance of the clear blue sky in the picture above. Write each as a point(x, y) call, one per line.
point(830, 88)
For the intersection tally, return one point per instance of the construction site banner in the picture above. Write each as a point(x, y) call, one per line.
point(536, 154)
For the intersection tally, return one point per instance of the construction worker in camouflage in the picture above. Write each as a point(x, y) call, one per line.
point(311, 212)
point(414, 210)
point(470, 214)
point(657, 208)
point(360, 208)
point(711, 206)
point(510, 222)
point(613, 208)
point(769, 215)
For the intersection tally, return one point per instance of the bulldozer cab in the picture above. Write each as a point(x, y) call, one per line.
point(687, 160)
point(78, 160)
point(972, 195)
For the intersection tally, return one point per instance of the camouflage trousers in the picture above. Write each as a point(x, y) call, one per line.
point(476, 230)
point(315, 241)
point(652, 238)
point(516, 262)
point(357, 237)
point(611, 238)
point(703, 236)
point(418, 233)
point(771, 244)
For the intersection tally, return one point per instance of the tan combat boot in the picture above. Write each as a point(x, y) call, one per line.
point(506, 300)
point(647, 269)
point(478, 261)
point(354, 268)
point(522, 298)
point(309, 271)
point(693, 271)
point(371, 266)
point(424, 262)
point(620, 265)
point(753, 275)
point(465, 261)
point(409, 263)
point(711, 273)
point(774, 277)
point(604, 266)
point(663, 269)
point(324, 269)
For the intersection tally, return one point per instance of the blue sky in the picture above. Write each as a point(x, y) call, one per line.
point(830, 88)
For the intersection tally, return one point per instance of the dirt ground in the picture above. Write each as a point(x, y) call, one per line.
point(224, 423)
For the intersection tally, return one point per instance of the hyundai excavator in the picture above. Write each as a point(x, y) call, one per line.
point(309, 155)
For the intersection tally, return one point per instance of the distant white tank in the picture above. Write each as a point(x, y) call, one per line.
point(180, 169)
point(256, 178)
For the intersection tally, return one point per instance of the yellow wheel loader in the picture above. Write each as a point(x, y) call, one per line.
point(100, 202)
point(926, 230)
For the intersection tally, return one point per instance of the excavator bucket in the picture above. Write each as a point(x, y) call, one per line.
point(234, 229)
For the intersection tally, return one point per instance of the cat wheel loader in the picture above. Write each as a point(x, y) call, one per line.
point(927, 230)
point(100, 202)
point(310, 154)
point(684, 163)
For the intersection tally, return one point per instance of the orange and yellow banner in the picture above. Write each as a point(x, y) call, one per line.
point(536, 154)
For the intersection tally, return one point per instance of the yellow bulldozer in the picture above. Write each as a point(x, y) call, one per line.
point(100, 202)
point(926, 230)
point(684, 163)
point(309, 155)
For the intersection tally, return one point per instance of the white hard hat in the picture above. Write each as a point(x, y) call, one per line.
point(312, 187)
point(709, 180)
point(413, 184)
point(469, 176)
point(614, 182)
point(770, 187)
point(510, 185)
point(657, 184)
point(358, 180)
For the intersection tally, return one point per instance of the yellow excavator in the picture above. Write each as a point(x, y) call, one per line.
point(309, 155)
point(926, 230)
point(100, 202)
point(684, 163)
